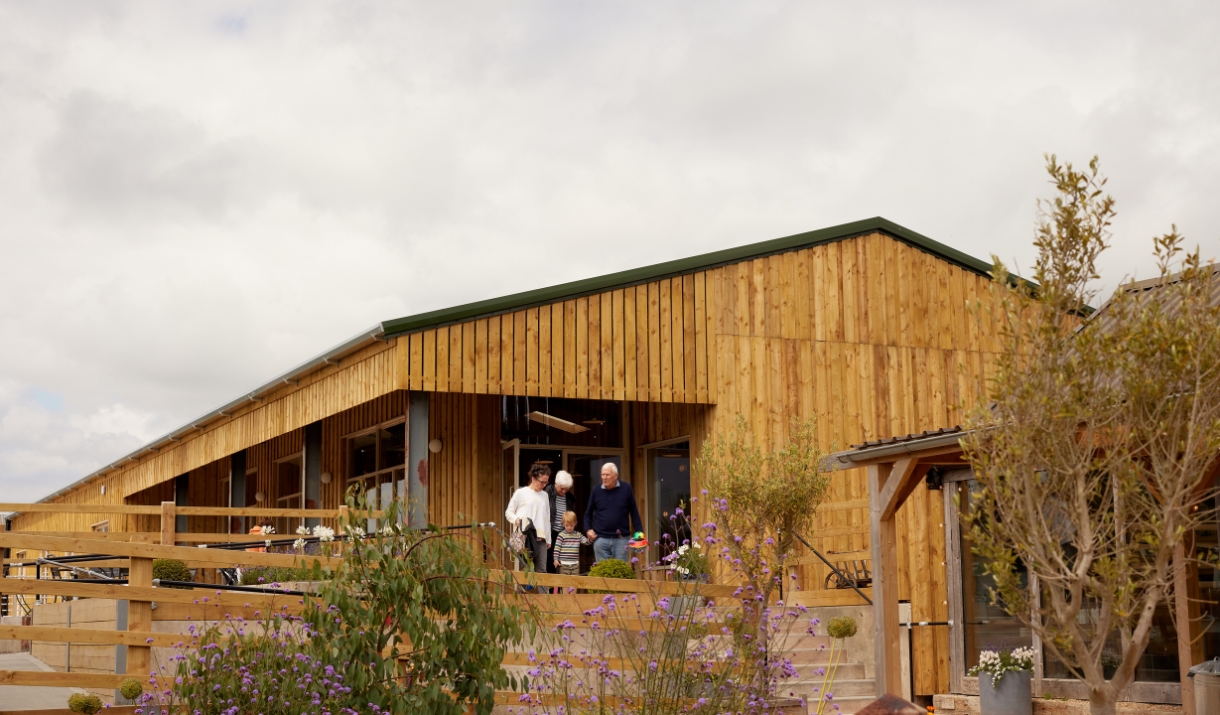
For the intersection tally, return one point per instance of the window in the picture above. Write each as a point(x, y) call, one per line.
point(377, 461)
point(101, 526)
point(669, 473)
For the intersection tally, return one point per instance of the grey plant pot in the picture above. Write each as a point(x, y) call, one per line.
point(1014, 696)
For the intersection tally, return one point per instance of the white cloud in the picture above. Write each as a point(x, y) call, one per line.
point(194, 197)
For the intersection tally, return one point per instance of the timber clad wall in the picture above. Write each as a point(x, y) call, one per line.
point(647, 342)
point(869, 335)
point(873, 338)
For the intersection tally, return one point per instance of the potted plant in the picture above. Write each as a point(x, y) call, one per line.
point(1005, 681)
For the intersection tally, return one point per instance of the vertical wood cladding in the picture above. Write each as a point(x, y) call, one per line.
point(464, 477)
point(647, 342)
point(869, 336)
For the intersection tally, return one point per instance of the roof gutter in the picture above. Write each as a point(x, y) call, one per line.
point(333, 356)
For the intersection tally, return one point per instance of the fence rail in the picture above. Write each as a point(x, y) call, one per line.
point(144, 603)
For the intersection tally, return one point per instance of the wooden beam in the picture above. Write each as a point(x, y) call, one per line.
point(199, 596)
point(167, 523)
point(101, 681)
point(139, 617)
point(898, 485)
point(43, 507)
point(88, 635)
point(221, 557)
point(887, 652)
point(615, 585)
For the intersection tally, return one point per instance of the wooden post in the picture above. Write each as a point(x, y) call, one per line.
point(169, 512)
point(1186, 612)
point(139, 618)
point(887, 648)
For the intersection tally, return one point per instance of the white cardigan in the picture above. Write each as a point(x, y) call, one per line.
point(533, 505)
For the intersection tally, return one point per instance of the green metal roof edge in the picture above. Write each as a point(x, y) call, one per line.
point(598, 284)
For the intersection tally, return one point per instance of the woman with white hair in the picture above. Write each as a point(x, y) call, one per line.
point(562, 500)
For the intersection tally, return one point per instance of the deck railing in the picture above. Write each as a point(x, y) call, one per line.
point(140, 603)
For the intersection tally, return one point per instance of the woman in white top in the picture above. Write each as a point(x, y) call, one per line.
point(530, 509)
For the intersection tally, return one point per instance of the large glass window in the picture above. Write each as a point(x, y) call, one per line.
point(988, 626)
point(377, 464)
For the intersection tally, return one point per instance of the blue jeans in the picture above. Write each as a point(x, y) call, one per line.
point(610, 547)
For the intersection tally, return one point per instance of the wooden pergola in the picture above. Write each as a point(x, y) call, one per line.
point(896, 466)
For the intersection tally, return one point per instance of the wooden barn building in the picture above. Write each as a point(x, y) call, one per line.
point(863, 326)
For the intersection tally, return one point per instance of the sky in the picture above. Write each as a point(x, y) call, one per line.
point(195, 197)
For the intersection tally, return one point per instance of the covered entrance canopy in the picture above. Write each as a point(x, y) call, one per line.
point(899, 465)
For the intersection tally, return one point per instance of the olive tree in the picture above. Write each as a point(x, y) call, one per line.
point(1097, 436)
point(759, 502)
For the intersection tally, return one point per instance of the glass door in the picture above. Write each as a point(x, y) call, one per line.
point(669, 475)
point(586, 470)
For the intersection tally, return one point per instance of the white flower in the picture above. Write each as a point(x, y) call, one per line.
point(387, 530)
point(268, 529)
point(268, 542)
point(302, 529)
point(324, 533)
point(356, 532)
point(298, 544)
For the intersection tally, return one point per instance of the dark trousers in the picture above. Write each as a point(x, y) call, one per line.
point(538, 549)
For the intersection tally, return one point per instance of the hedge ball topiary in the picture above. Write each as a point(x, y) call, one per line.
point(171, 570)
point(131, 689)
point(612, 568)
point(84, 703)
point(841, 627)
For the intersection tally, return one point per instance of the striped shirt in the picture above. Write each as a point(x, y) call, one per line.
point(567, 547)
point(561, 506)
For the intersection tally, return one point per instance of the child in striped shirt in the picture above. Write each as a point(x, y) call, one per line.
point(567, 546)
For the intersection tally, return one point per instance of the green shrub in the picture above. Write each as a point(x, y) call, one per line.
point(131, 689)
point(612, 568)
point(171, 570)
point(841, 627)
point(84, 703)
point(267, 575)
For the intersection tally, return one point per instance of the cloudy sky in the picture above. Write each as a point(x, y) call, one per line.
point(197, 196)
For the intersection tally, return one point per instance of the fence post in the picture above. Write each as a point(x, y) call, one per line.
point(342, 521)
point(168, 514)
point(139, 617)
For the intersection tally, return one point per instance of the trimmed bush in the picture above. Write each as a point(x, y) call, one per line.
point(131, 689)
point(841, 627)
point(267, 575)
point(84, 703)
point(171, 570)
point(612, 568)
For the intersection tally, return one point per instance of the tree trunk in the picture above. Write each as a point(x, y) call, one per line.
point(1101, 703)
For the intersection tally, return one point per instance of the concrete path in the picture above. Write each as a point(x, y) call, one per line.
point(24, 697)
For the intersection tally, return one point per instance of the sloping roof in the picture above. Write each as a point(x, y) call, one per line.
point(681, 266)
point(551, 294)
point(890, 446)
point(1153, 289)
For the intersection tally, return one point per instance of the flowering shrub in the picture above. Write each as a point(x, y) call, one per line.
point(686, 653)
point(273, 664)
point(997, 663)
point(408, 623)
point(688, 560)
point(649, 654)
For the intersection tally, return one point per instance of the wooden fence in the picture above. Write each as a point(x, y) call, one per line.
point(134, 636)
